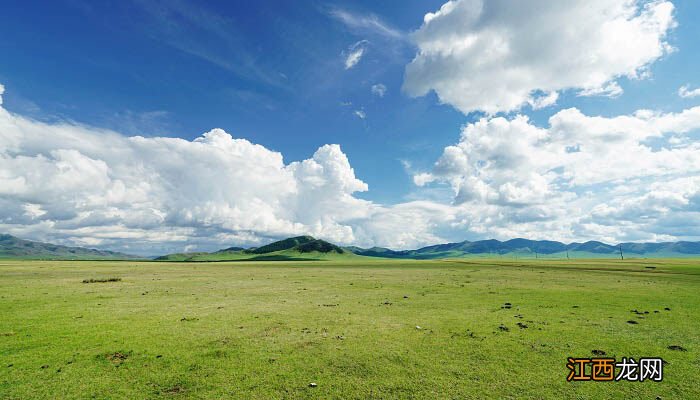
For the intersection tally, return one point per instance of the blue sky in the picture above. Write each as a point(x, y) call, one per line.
point(276, 74)
point(269, 72)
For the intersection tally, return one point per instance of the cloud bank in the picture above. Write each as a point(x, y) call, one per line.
point(498, 55)
point(630, 177)
point(75, 184)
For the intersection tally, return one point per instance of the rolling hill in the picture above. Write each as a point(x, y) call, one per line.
point(306, 248)
point(15, 248)
point(538, 249)
point(299, 248)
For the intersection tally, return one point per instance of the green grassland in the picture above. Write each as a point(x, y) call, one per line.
point(281, 255)
point(357, 327)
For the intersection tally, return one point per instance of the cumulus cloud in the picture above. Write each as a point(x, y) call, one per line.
point(495, 56)
point(354, 53)
point(73, 184)
point(631, 170)
point(379, 89)
point(685, 92)
point(631, 177)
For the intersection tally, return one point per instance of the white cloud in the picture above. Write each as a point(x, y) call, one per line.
point(631, 177)
point(494, 56)
point(360, 114)
point(543, 101)
point(379, 89)
point(631, 170)
point(685, 92)
point(74, 184)
point(611, 89)
point(354, 53)
point(366, 23)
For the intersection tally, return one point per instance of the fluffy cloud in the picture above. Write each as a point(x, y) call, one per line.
point(685, 92)
point(632, 177)
point(634, 171)
point(354, 53)
point(499, 55)
point(74, 184)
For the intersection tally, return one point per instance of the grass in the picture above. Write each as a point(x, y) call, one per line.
point(266, 330)
point(283, 255)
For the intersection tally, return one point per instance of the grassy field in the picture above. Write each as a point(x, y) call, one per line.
point(267, 330)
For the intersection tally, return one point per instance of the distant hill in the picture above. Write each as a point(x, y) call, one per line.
point(12, 247)
point(299, 248)
point(231, 249)
point(536, 249)
point(280, 245)
point(309, 248)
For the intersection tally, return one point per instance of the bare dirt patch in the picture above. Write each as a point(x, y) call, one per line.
point(117, 358)
point(101, 280)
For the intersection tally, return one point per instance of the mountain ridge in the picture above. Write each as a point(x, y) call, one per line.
point(537, 248)
point(310, 248)
point(12, 247)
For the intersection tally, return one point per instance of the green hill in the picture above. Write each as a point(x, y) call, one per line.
point(15, 248)
point(280, 245)
point(300, 248)
point(525, 248)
